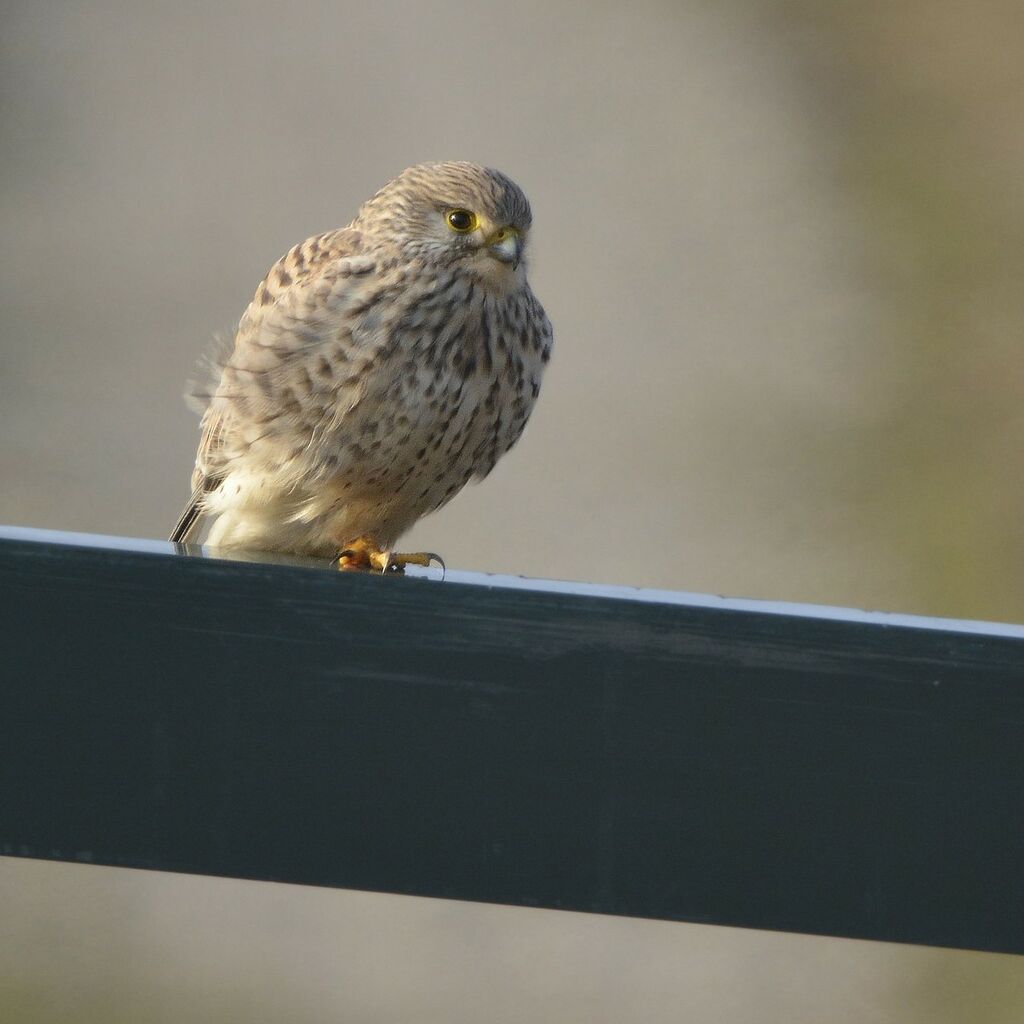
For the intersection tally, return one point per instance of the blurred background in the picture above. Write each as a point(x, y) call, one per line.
point(782, 244)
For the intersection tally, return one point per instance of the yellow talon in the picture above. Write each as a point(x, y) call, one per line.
point(364, 554)
point(396, 561)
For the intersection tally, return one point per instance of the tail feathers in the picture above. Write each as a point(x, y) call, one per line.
point(189, 518)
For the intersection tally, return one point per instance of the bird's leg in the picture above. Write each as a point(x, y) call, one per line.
point(364, 554)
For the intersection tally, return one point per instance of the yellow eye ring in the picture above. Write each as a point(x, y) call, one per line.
point(462, 221)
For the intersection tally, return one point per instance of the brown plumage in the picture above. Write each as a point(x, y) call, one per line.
point(377, 370)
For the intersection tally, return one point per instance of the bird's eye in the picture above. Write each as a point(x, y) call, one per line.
point(462, 221)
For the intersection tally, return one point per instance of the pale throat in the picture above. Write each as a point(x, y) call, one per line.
point(498, 278)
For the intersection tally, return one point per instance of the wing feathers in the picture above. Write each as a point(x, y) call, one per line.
point(267, 336)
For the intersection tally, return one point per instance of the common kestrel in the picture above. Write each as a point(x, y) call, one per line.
point(378, 369)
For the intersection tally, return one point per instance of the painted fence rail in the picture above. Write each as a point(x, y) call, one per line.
point(513, 741)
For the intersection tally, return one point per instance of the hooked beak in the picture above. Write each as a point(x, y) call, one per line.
point(506, 245)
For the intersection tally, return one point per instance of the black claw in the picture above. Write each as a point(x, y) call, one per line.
point(394, 567)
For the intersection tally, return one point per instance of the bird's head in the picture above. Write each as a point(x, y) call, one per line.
point(453, 214)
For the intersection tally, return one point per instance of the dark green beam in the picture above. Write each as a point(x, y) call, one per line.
point(760, 766)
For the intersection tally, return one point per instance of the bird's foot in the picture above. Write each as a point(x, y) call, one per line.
point(364, 554)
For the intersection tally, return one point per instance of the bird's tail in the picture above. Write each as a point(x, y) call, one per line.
point(190, 516)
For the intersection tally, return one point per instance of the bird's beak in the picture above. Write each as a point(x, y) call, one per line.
point(506, 245)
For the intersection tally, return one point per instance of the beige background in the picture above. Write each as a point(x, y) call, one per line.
point(781, 244)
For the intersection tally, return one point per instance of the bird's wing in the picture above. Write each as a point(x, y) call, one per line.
point(306, 293)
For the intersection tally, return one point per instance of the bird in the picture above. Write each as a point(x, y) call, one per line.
point(378, 369)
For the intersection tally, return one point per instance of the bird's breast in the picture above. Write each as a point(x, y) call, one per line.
point(447, 398)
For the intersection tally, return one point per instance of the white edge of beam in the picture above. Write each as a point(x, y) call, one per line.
point(621, 593)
